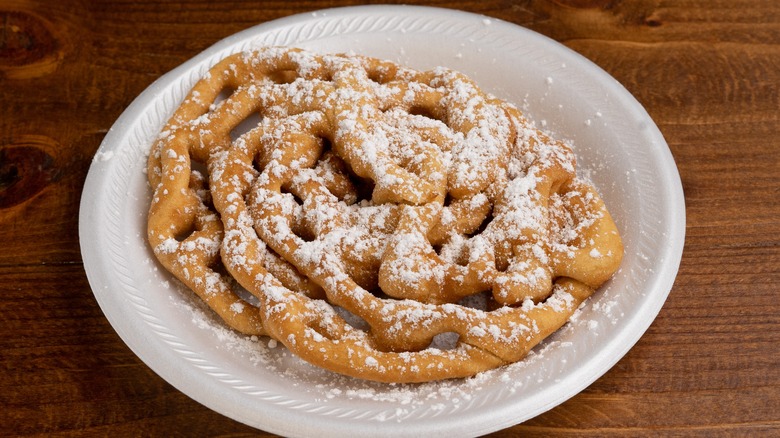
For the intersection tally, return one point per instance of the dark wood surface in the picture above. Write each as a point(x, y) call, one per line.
point(708, 72)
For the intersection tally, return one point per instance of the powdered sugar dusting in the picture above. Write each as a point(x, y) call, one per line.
point(391, 194)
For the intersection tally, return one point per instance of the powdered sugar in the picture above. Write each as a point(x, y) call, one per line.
point(462, 190)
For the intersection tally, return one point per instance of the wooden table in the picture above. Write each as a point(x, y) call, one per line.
point(708, 72)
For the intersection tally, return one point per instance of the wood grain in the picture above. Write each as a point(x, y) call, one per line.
point(708, 72)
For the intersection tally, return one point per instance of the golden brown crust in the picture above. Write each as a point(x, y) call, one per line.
point(367, 211)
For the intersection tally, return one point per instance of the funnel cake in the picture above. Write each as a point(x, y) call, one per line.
point(390, 224)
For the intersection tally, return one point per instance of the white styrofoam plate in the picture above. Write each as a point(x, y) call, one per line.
point(261, 384)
